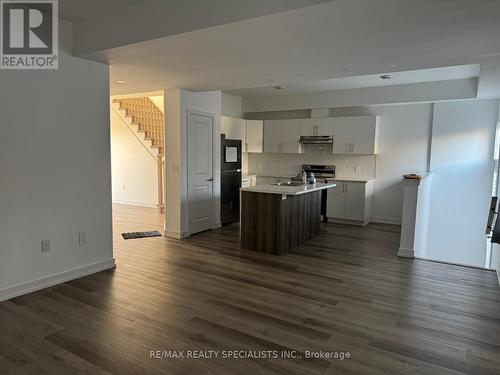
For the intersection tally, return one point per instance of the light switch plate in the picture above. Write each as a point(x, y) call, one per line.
point(82, 239)
point(45, 245)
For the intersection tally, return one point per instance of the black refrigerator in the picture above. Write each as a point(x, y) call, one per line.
point(230, 180)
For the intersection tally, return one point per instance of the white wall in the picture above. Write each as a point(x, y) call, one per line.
point(231, 105)
point(134, 174)
point(56, 172)
point(462, 167)
point(158, 101)
point(177, 104)
point(403, 148)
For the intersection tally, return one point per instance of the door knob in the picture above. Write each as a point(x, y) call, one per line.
point(209, 179)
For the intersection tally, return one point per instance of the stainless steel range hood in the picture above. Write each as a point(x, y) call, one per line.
point(316, 139)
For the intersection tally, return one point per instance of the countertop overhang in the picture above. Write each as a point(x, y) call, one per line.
point(288, 190)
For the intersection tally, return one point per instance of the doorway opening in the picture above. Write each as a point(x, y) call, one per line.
point(138, 152)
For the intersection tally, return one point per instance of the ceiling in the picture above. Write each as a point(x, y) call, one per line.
point(336, 45)
point(79, 10)
point(372, 80)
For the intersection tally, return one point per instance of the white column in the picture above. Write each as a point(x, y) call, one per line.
point(414, 224)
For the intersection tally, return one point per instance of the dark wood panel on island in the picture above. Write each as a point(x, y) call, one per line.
point(275, 223)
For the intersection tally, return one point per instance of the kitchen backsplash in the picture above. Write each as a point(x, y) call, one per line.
point(270, 164)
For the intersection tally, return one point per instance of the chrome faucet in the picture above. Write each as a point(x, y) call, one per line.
point(304, 176)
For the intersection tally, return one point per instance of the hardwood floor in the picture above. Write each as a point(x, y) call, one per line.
point(345, 290)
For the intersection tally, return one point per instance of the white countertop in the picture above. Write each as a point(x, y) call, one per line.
point(288, 190)
point(350, 179)
point(272, 174)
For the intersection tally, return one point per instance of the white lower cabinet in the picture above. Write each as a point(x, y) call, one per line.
point(350, 201)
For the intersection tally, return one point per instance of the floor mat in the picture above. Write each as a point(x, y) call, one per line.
point(134, 235)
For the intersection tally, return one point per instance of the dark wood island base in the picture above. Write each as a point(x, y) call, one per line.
point(276, 223)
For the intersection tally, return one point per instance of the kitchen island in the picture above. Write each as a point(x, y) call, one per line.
point(276, 218)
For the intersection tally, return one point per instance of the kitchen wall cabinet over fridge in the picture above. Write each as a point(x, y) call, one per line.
point(233, 128)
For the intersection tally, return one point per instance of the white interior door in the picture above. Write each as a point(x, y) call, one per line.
point(200, 173)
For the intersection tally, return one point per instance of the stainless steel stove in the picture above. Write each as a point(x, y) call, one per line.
point(322, 173)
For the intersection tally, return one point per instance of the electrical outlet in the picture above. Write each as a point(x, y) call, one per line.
point(357, 169)
point(260, 165)
point(123, 187)
point(45, 246)
point(82, 239)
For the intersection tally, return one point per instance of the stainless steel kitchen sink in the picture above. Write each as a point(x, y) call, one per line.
point(289, 183)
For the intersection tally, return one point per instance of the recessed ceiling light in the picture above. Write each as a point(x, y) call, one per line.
point(385, 76)
point(121, 82)
point(280, 87)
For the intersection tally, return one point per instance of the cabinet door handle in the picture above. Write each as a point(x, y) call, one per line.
point(345, 186)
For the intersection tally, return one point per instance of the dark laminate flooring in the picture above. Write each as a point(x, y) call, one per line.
point(345, 290)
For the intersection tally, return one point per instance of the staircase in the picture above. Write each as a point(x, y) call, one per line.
point(146, 119)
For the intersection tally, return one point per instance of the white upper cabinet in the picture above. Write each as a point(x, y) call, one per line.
point(233, 128)
point(254, 136)
point(272, 136)
point(366, 135)
point(290, 134)
point(325, 126)
point(343, 136)
point(316, 126)
point(308, 127)
point(281, 136)
point(356, 135)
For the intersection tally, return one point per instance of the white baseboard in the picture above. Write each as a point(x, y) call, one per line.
point(59, 278)
point(406, 253)
point(348, 222)
point(455, 264)
point(175, 234)
point(384, 220)
point(135, 203)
